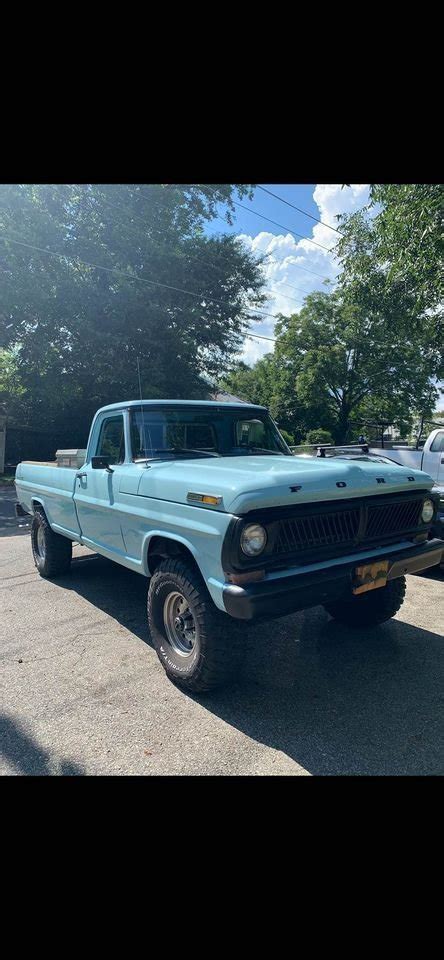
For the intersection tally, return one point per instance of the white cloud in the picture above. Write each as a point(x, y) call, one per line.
point(288, 255)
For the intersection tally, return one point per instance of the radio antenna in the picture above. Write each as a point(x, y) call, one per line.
point(143, 414)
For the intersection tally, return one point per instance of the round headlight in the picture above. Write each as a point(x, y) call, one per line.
point(428, 509)
point(253, 539)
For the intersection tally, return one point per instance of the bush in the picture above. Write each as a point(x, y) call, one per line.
point(288, 437)
point(319, 436)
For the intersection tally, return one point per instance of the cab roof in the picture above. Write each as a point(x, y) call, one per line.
point(124, 404)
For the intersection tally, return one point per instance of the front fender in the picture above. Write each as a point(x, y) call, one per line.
point(176, 538)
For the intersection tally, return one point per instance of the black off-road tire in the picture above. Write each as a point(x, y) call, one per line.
point(217, 646)
point(370, 608)
point(52, 553)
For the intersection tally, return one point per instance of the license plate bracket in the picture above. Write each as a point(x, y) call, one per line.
point(370, 576)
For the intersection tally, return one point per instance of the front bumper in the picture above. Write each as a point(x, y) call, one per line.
point(277, 597)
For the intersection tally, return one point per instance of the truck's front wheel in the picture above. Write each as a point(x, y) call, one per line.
point(52, 553)
point(369, 609)
point(194, 641)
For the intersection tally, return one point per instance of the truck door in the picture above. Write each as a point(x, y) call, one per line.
point(433, 460)
point(97, 491)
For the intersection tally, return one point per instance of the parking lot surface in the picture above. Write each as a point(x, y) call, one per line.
point(84, 693)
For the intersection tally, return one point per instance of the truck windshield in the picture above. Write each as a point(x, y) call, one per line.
point(171, 433)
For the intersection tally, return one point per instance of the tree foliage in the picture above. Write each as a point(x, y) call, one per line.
point(319, 436)
point(95, 277)
point(371, 351)
point(273, 383)
point(409, 232)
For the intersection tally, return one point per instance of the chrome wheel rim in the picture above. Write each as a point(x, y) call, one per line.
point(180, 626)
point(41, 542)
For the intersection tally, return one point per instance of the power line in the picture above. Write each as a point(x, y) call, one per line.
point(209, 263)
point(249, 309)
point(276, 224)
point(190, 256)
point(299, 209)
point(222, 219)
point(258, 336)
point(129, 276)
point(248, 209)
point(293, 232)
point(297, 267)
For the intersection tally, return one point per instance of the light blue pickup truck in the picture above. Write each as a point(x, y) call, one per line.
point(207, 501)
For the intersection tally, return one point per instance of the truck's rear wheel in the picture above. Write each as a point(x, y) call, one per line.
point(369, 609)
point(52, 553)
point(194, 641)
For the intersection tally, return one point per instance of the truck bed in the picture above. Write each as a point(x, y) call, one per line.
point(42, 463)
point(408, 456)
point(38, 481)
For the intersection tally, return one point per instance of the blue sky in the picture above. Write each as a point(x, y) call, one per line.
point(296, 266)
point(301, 194)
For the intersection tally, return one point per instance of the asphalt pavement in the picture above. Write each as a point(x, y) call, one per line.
point(83, 692)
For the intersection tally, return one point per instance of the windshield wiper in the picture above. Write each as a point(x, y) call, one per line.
point(201, 453)
point(182, 451)
point(273, 453)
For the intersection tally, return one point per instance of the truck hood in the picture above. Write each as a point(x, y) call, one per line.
point(252, 483)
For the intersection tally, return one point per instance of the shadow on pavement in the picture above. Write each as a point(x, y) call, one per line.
point(24, 753)
point(335, 700)
point(10, 525)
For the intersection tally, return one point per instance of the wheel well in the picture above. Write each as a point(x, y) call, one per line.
point(162, 548)
point(38, 507)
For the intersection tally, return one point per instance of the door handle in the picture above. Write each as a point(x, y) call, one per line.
point(442, 459)
point(80, 475)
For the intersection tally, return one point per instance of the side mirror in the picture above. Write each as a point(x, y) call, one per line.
point(101, 463)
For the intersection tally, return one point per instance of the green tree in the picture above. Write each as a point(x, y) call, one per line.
point(348, 361)
point(96, 277)
point(254, 384)
point(409, 232)
point(371, 353)
point(391, 260)
point(11, 389)
point(319, 436)
point(272, 382)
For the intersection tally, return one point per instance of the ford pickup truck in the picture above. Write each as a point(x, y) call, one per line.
point(206, 501)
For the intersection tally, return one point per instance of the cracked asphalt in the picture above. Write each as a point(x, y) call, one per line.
point(83, 692)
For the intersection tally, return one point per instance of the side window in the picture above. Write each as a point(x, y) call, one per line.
point(112, 440)
point(438, 443)
point(250, 432)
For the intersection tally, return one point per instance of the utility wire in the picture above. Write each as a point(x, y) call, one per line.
point(258, 336)
point(297, 267)
point(293, 232)
point(270, 192)
point(276, 224)
point(250, 210)
point(130, 276)
point(254, 310)
point(222, 219)
point(190, 256)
